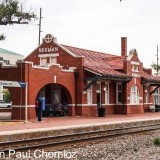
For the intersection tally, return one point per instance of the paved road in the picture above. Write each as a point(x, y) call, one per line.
point(5, 115)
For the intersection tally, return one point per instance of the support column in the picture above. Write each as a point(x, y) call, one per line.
point(1, 92)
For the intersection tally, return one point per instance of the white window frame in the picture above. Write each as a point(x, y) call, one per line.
point(135, 68)
point(50, 60)
point(41, 61)
point(106, 93)
point(89, 94)
point(134, 95)
point(118, 91)
point(147, 95)
point(156, 96)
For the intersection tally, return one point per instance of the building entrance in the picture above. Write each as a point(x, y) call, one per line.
point(57, 99)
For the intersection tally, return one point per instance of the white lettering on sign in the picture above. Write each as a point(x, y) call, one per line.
point(135, 75)
point(12, 84)
point(48, 49)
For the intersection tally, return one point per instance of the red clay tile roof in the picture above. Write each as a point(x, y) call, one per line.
point(104, 64)
point(116, 62)
point(103, 71)
point(99, 62)
point(87, 53)
point(150, 77)
point(91, 58)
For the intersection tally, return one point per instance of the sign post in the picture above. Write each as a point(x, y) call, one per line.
point(26, 106)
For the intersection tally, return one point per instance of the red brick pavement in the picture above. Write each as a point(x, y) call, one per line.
point(51, 122)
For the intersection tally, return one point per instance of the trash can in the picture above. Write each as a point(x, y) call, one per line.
point(157, 108)
point(101, 112)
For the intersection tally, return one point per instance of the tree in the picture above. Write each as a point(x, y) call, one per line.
point(12, 12)
point(6, 95)
point(155, 67)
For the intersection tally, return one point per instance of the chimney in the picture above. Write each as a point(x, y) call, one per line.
point(123, 46)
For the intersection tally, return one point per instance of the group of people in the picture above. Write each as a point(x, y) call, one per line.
point(61, 109)
point(54, 110)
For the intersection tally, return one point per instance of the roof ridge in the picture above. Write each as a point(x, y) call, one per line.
point(115, 57)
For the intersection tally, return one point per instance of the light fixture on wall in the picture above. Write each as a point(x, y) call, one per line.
point(84, 92)
point(98, 91)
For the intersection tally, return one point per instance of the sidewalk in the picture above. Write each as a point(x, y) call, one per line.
point(64, 122)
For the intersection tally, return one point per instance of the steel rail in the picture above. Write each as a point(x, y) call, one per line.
point(71, 139)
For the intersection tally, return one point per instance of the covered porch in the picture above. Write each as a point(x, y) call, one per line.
point(106, 91)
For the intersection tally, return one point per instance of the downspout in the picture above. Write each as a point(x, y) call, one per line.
point(76, 75)
point(123, 97)
point(143, 98)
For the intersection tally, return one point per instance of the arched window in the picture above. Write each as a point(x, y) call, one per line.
point(156, 96)
point(134, 97)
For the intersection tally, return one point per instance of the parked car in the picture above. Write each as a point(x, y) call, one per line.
point(5, 104)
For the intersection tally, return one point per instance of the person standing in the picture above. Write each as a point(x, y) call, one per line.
point(65, 109)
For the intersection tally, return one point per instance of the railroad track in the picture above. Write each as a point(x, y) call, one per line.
point(60, 142)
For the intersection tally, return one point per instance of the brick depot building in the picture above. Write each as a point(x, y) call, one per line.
point(83, 79)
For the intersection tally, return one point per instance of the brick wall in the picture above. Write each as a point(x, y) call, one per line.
point(38, 78)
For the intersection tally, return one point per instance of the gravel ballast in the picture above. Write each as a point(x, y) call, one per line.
point(126, 147)
point(137, 146)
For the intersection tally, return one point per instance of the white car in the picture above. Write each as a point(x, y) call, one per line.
point(5, 104)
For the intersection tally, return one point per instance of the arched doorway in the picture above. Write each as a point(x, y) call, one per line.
point(57, 99)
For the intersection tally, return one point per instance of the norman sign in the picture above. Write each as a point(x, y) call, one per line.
point(48, 50)
point(135, 75)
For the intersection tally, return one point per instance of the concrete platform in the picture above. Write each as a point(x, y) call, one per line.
point(60, 122)
point(55, 126)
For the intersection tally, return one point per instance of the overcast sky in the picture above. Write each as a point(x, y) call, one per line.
point(91, 24)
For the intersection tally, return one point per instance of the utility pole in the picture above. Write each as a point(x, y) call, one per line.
point(40, 17)
point(157, 60)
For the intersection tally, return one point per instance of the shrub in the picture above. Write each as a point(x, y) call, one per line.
point(6, 95)
point(156, 141)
